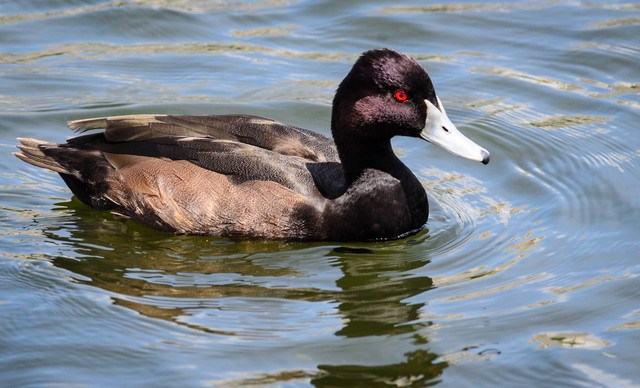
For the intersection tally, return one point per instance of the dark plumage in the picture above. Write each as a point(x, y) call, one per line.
point(252, 177)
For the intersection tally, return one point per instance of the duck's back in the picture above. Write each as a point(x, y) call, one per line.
point(230, 175)
point(257, 131)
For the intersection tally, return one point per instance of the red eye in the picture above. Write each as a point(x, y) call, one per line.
point(400, 95)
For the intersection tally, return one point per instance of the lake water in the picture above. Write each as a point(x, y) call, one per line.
point(528, 271)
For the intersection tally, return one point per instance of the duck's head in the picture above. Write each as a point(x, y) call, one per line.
point(386, 94)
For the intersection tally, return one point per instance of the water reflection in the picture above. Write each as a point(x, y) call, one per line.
point(245, 290)
point(569, 340)
point(419, 369)
point(373, 300)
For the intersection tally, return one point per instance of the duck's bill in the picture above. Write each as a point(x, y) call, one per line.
point(439, 130)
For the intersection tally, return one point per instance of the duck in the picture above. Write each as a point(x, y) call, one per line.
point(249, 177)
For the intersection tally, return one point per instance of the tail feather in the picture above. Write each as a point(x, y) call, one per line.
point(31, 152)
point(83, 169)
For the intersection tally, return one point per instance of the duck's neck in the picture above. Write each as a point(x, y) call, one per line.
point(362, 145)
point(359, 153)
point(357, 156)
point(373, 198)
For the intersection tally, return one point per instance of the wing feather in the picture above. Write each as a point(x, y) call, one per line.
point(257, 131)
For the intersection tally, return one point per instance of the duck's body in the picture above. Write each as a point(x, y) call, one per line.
point(247, 176)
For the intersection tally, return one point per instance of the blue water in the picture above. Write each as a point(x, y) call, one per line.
point(527, 273)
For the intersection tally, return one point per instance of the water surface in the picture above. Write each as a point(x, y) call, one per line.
point(527, 272)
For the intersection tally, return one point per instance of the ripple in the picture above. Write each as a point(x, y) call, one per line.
point(569, 340)
point(6, 19)
point(242, 318)
point(569, 157)
point(564, 121)
point(583, 89)
point(66, 64)
point(195, 6)
point(97, 50)
point(268, 379)
point(265, 31)
point(461, 7)
point(531, 78)
point(543, 182)
point(587, 283)
point(603, 378)
point(617, 22)
point(624, 50)
point(48, 287)
point(205, 6)
point(453, 213)
point(617, 7)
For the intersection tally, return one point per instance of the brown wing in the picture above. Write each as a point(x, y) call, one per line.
point(221, 175)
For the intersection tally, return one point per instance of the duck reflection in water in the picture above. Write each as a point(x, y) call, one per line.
point(178, 278)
